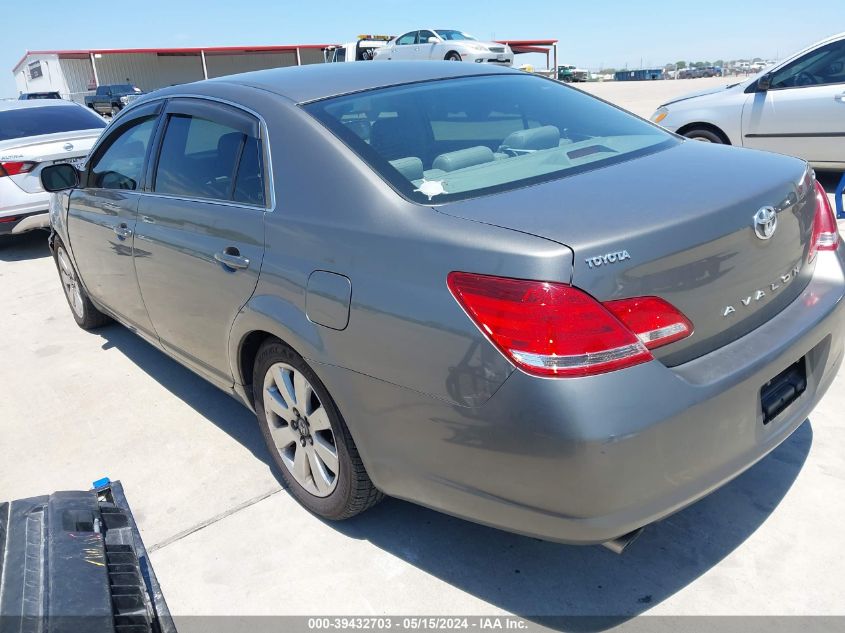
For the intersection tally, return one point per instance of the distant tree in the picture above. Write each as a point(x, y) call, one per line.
point(719, 62)
point(699, 65)
point(669, 67)
point(680, 65)
point(607, 71)
point(756, 59)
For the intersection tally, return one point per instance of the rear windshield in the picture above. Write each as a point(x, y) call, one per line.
point(23, 122)
point(453, 139)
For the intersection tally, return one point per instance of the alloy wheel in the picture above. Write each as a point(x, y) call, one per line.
point(70, 283)
point(300, 428)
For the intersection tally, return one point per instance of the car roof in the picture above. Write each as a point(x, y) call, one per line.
point(318, 81)
point(36, 103)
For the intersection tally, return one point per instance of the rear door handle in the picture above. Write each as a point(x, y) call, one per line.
point(232, 258)
point(122, 231)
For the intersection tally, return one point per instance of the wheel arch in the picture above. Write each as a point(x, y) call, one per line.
point(705, 126)
point(451, 52)
point(267, 316)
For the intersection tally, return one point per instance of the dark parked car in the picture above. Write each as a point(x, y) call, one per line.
point(113, 98)
point(26, 96)
point(447, 283)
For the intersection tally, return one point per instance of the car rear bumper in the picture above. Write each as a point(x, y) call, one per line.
point(586, 460)
point(14, 224)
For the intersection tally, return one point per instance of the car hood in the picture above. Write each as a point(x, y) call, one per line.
point(709, 91)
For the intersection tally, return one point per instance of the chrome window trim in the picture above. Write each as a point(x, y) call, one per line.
point(265, 144)
point(226, 203)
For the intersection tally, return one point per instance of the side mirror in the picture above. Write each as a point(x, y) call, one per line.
point(433, 40)
point(59, 177)
point(764, 83)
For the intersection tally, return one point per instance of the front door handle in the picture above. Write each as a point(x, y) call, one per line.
point(231, 257)
point(840, 97)
point(122, 231)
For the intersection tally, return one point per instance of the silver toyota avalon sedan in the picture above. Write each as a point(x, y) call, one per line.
point(465, 286)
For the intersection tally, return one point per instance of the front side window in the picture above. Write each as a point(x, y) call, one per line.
point(340, 55)
point(445, 140)
point(120, 166)
point(424, 35)
point(200, 158)
point(825, 65)
point(408, 38)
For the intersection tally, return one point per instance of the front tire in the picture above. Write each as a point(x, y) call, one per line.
point(307, 438)
point(452, 56)
point(705, 135)
point(84, 313)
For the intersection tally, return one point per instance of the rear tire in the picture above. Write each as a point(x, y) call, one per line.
point(84, 313)
point(308, 440)
point(705, 135)
point(452, 56)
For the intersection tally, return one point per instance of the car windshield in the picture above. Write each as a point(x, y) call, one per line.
point(24, 122)
point(448, 34)
point(439, 141)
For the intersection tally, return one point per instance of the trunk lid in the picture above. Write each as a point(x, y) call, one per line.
point(47, 149)
point(678, 224)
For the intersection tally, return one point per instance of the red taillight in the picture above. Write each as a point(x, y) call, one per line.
point(825, 230)
point(13, 168)
point(553, 329)
point(655, 321)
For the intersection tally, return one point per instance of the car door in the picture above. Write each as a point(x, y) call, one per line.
point(404, 47)
point(102, 215)
point(423, 49)
point(803, 111)
point(201, 226)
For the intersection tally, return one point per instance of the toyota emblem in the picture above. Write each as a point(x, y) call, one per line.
point(765, 222)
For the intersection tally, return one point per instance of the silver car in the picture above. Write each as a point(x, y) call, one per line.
point(35, 133)
point(461, 285)
point(795, 108)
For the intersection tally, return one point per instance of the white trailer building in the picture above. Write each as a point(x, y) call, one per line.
point(76, 73)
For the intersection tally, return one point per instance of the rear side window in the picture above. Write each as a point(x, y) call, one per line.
point(453, 139)
point(201, 158)
point(120, 166)
point(24, 122)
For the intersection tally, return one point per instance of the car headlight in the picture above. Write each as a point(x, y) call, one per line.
point(477, 47)
point(124, 100)
point(660, 114)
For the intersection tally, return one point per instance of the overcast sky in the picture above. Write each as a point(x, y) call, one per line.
point(608, 33)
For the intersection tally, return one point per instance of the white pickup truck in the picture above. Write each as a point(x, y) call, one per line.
point(361, 50)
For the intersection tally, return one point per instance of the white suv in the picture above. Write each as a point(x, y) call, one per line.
point(796, 107)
